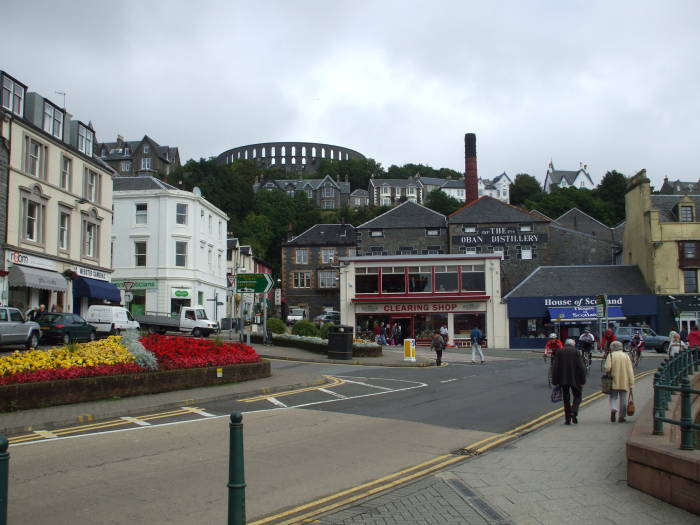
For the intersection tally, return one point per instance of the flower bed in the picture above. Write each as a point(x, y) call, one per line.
point(185, 352)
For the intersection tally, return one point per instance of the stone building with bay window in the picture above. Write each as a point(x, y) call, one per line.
point(417, 294)
point(59, 206)
point(309, 268)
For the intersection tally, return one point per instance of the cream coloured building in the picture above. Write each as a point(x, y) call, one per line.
point(662, 237)
point(420, 293)
point(59, 214)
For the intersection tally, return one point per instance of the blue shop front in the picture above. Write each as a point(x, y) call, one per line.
point(532, 319)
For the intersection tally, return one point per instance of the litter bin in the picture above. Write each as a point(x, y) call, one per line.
point(340, 342)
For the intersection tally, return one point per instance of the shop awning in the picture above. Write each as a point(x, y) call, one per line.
point(20, 276)
point(584, 313)
point(95, 289)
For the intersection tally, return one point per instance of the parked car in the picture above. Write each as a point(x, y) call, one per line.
point(110, 319)
point(15, 330)
point(295, 314)
point(327, 317)
point(652, 341)
point(65, 327)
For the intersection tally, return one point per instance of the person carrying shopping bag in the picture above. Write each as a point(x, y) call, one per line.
point(619, 366)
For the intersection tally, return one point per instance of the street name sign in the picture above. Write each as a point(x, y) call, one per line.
point(601, 305)
point(254, 282)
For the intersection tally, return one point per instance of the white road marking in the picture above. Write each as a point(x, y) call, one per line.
point(371, 386)
point(276, 402)
point(136, 421)
point(198, 411)
point(46, 434)
point(448, 380)
point(334, 394)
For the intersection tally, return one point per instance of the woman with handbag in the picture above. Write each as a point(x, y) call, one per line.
point(619, 365)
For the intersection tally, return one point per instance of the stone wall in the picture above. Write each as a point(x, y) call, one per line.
point(396, 239)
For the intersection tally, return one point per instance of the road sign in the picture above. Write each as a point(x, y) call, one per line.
point(254, 282)
point(128, 297)
point(127, 285)
point(601, 305)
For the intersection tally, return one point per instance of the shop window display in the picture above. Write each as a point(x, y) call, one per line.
point(367, 280)
point(393, 280)
point(424, 326)
point(463, 324)
point(446, 279)
point(420, 279)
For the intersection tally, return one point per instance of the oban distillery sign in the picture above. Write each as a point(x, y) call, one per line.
point(499, 235)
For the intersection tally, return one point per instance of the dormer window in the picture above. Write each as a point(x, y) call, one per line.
point(85, 138)
point(12, 96)
point(685, 214)
point(53, 120)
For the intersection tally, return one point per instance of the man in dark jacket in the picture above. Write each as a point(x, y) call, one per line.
point(569, 373)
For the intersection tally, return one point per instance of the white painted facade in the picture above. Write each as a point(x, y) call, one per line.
point(175, 242)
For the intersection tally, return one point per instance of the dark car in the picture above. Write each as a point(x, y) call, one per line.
point(65, 327)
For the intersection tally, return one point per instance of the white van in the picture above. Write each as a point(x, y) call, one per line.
point(110, 319)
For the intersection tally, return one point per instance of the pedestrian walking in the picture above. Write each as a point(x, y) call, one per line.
point(676, 346)
point(438, 345)
point(694, 335)
point(619, 366)
point(444, 333)
point(569, 373)
point(477, 338)
point(389, 334)
point(382, 334)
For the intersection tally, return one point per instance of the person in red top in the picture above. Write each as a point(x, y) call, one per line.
point(608, 337)
point(693, 336)
point(553, 344)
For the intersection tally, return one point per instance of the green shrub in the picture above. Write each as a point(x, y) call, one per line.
point(277, 326)
point(305, 328)
point(324, 330)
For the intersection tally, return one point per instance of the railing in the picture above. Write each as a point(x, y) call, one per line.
point(671, 378)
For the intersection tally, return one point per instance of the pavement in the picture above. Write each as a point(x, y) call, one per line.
point(557, 474)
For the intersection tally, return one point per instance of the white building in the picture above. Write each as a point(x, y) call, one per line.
point(59, 206)
point(567, 179)
point(498, 187)
point(171, 244)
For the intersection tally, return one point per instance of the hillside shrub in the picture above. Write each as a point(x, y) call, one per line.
point(305, 328)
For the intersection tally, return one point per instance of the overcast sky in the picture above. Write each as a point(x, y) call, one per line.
point(613, 85)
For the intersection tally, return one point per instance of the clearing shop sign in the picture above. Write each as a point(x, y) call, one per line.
point(418, 308)
point(498, 235)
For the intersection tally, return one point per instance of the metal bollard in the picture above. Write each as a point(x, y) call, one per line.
point(236, 474)
point(4, 478)
point(658, 411)
point(686, 416)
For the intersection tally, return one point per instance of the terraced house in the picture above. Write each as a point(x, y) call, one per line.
point(59, 206)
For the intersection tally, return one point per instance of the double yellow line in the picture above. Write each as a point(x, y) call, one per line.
point(331, 383)
point(27, 438)
point(306, 512)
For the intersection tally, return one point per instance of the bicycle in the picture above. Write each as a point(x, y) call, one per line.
point(587, 358)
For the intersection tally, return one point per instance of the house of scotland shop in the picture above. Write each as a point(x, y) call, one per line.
point(416, 295)
point(562, 300)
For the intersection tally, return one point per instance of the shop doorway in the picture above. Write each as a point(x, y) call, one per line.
point(176, 305)
point(403, 329)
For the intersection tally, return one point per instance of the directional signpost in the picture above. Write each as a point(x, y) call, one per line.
point(255, 283)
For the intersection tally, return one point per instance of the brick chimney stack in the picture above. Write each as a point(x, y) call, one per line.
point(471, 179)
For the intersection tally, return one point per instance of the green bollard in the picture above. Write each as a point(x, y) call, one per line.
point(236, 474)
point(658, 411)
point(4, 478)
point(686, 416)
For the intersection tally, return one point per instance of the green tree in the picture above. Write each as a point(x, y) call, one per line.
point(437, 200)
point(611, 191)
point(524, 187)
point(356, 171)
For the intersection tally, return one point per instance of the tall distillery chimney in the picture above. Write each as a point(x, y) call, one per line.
point(471, 179)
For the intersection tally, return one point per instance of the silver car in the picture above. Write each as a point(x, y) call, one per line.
point(652, 341)
point(14, 330)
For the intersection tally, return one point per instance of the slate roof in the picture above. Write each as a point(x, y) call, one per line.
point(325, 235)
point(667, 205)
point(394, 182)
point(678, 187)
point(408, 214)
point(302, 184)
point(140, 183)
point(489, 210)
point(491, 183)
point(556, 176)
point(116, 150)
point(360, 193)
point(558, 281)
point(453, 184)
point(431, 181)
